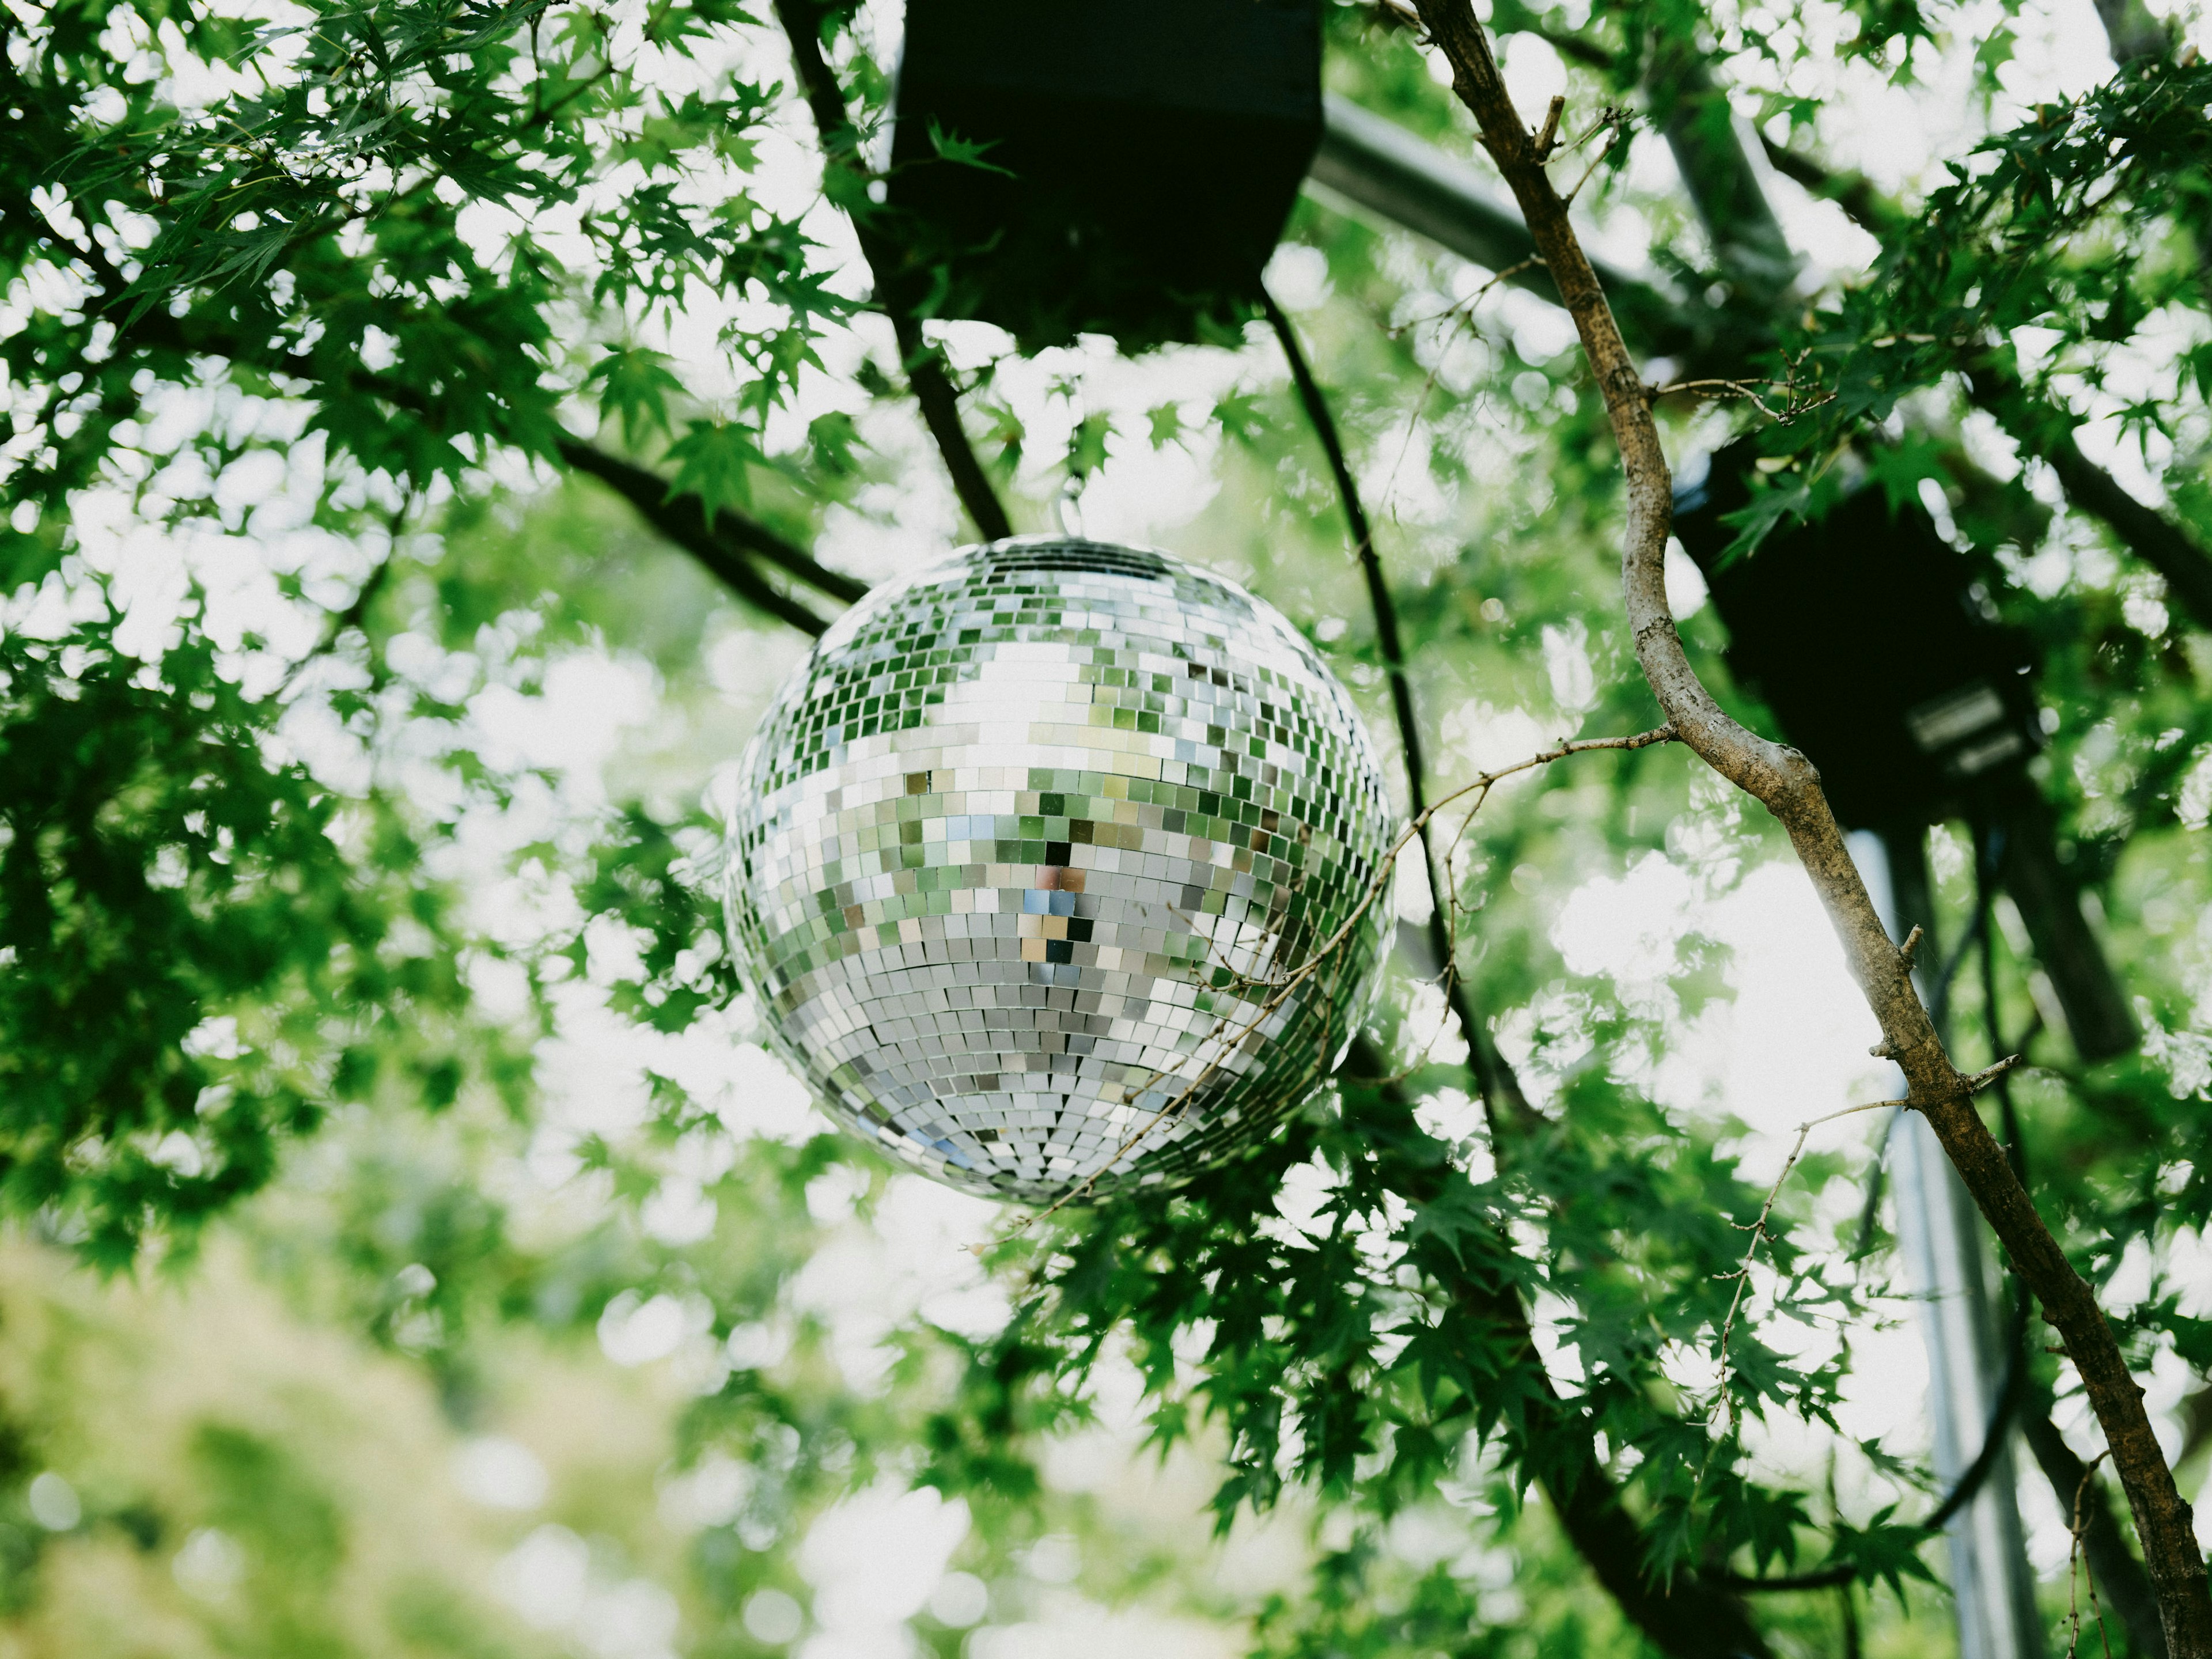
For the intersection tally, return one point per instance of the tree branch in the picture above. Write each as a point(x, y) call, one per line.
point(646, 488)
point(682, 519)
point(1785, 782)
point(926, 372)
point(2161, 542)
point(2133, 32)
point(1693, 1617)
point(1854, 193)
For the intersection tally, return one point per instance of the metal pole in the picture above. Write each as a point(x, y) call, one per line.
point(1939, 1235)
point(1371, 162)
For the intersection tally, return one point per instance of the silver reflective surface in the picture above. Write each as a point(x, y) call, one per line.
point(1024, 863)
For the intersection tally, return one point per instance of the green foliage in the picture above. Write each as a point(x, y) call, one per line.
point(206, 948)
point(287, 907)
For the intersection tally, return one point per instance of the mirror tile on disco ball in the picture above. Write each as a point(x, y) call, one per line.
point(1023, 862)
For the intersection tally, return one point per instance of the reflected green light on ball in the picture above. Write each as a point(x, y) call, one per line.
point(1023, 862)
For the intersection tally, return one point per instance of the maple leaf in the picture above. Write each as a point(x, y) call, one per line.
point(714, 458)
point(634, 384)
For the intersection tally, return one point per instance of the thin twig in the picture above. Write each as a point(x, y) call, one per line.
point(1798, 397)
point(1458, 309)
point(1549, 135)
point(1759, 1236)
point(1975, 1083)
point(2077, 1568)
point(1611, 118)
point(1215, 1048)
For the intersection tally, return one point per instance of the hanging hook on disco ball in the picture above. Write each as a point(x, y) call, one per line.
point(1058, 869)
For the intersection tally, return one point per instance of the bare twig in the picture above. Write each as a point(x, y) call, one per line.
point(1759, 1236)
point(2104, 1547)
point(1611, 119)
point(1979, 1081)
point(1786, 783)
point(1795, 400)
point(1799, 395)
point(2077, 1567)
point(1549, 135)
point(1455, 310)
point(1281, 988)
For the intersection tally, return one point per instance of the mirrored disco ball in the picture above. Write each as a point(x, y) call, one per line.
point(1023, 861)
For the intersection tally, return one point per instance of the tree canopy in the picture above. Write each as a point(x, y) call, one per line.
point(437, 428)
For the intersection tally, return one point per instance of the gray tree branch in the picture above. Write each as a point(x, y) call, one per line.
point(1785, 782)
point(682, 521)
point(735, 534)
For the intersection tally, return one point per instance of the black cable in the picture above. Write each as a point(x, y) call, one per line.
point(1493, 1080)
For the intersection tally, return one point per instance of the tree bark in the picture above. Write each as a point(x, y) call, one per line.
point(1786, 783)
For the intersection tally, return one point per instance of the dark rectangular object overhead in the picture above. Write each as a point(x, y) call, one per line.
point(1151, 149)
point(1863, 633)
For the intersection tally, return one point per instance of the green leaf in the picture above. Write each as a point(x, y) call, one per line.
point(1900, 467)
point(1241, 419)
point(1086, 445)
point(714, 462)
point(963, 152)
point(834, 441)
point(634, 387)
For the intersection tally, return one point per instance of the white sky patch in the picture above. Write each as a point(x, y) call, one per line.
point(874, 1561)
point(499, 1473)
point(915, 1261)
point(551, 1581)
point(1481, 736)
point(576, 722)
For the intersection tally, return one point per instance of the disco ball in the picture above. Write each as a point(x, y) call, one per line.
point(1024, 863)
